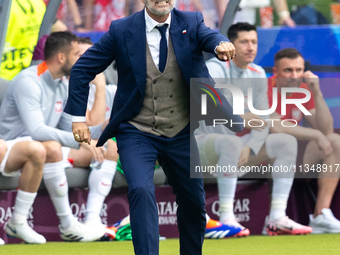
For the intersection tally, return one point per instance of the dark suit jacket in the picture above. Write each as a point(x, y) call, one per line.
point(125, 42)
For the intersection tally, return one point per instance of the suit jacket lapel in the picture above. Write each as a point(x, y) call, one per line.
point(135, 39)
point(181, 43)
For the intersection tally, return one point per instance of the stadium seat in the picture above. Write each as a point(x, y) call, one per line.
point(78, 178)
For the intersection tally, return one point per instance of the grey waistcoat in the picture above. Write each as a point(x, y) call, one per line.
point(165, 109)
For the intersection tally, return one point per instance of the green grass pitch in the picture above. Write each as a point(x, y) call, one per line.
point(253, 245)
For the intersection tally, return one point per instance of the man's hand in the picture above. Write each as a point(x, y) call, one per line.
point(225, 51)
point(97, 152)
point(312, 81)
point(244, 157)
point(255, 121)
point(81, 132)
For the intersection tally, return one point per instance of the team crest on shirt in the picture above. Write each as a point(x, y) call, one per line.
point(245, 102)
point(58, 106)
point(296, 114)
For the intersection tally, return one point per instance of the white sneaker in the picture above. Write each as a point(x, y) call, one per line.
point(2, 242)
point(78, 232)
point(24, 232)
point(284, 226)
point(97, 224)
point(233, 222)
point(324, 223)
point(123, 222)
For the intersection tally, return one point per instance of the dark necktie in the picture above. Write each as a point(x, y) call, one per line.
point(163, 48)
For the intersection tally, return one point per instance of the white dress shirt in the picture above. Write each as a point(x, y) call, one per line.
point(153, 36)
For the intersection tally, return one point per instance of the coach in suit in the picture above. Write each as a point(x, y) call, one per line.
point(157, 51)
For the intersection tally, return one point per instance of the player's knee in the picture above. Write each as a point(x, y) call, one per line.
point(37, 152)
point(53, 151)
point(281, 145)
point(112, 152)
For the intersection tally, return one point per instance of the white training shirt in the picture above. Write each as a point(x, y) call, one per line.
point(253, 76)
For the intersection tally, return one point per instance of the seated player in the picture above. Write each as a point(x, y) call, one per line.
point(323, 144)
point(99, 107)
point(23, 154)
point(33, 106)
point(218, 145)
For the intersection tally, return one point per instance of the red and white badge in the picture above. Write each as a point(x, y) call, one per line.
point(297, 114)
point(58, 106)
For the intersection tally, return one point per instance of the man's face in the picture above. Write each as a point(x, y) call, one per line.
point(159, 7)
point(246, 47)
point(289, 72)
point(71, 58)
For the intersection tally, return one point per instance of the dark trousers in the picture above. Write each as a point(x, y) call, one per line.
point(138, 152)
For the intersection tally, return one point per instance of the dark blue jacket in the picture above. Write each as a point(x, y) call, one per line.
point(125, 42)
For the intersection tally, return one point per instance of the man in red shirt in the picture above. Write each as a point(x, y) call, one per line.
point(323, 144)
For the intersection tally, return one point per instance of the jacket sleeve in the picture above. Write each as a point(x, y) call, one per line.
point(207, 38)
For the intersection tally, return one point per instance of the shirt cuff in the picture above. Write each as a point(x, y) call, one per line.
point(78, 119)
